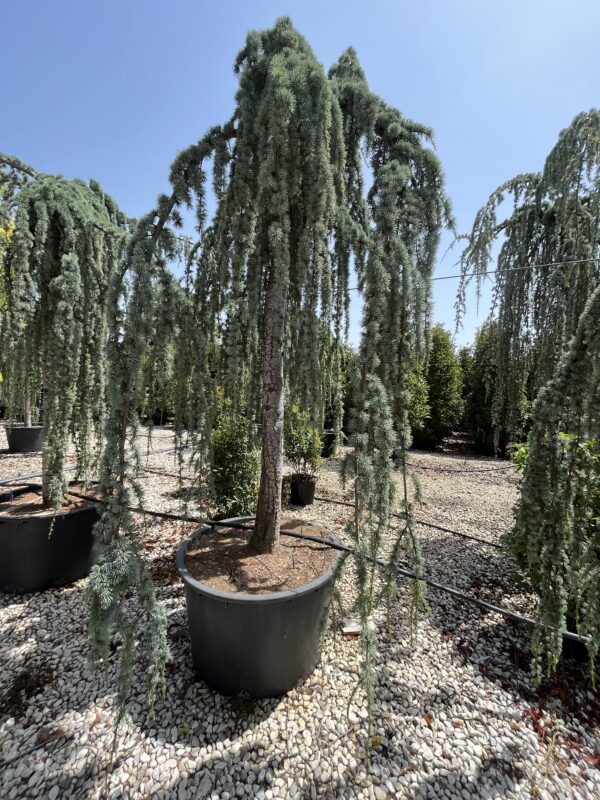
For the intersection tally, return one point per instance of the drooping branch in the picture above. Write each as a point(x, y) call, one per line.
point(548, 263)
point(558, 512)
point(66, 248)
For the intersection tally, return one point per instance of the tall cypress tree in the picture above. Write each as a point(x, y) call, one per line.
point(444, 390)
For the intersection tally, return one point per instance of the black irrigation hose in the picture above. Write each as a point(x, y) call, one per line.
point(337, 546)
point(421, 522)
point(462, 471)
point(406, 573)
point(21, 478)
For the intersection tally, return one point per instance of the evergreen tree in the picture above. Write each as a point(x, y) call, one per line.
point(465, 360)
point(479, 374)
point(548, 263)
point(444, 391)
point(6, 235)
point(268, 280)
point(547, 304)
point(558, 514)
point(64, 257)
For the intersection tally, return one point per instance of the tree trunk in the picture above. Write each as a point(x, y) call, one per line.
point(268, 513)
point(45, 473)
point(27, 416)
point(51, 467)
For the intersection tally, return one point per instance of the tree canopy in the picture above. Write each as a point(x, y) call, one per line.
point(546, 304)
point(444, 390)
point(548, 262)
point(558, 515)
point(479, 384)
point(269, 275)
point(65, 252)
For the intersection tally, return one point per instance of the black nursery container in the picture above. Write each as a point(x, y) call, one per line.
point(33, 558)
point(261, 645)
point(329, 443)
point(302, 490)
point(23, 439)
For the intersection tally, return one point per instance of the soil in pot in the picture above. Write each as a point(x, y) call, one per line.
point(302, 490)
point(39, 547)
point(226, 561)
point(28, 502)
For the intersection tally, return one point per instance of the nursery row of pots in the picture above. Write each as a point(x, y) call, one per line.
point(28, 439)
point(40, 551)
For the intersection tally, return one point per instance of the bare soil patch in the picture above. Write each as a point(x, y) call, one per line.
point(24, 684)
point(225, 560)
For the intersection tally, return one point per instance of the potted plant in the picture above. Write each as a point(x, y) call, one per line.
point(65, 253)
point(270, 281)
point(302, 448)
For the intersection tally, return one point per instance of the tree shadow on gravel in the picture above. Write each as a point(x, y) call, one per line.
point(204, 705)
point(499, 650)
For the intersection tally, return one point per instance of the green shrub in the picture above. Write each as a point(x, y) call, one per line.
point(235, 468)
point(302, 443)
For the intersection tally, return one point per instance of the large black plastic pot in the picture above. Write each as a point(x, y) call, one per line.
point(261, 645)
point(33, 558)
point(329, 443)
point(302, 490)
point(23, 439)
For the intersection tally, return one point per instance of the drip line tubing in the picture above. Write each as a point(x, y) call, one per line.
point(30, 475)
point(420, 522)
point(462, 471)
point(403, 571)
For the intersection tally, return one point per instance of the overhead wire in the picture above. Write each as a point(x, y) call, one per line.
point(507, 269)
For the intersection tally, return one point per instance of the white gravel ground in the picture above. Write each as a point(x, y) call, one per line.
point(456, 713)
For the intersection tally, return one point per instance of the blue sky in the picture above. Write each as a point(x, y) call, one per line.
point(112, 90)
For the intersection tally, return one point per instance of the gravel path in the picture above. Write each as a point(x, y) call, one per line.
point(456, 714)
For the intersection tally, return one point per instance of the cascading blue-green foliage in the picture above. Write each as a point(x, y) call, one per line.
point(67, 239)
point(546, 348)
point(558, 514)
point(293, 218)
point(547, 266)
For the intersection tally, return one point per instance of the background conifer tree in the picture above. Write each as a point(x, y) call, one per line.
point(65, 255)
point(444, 391)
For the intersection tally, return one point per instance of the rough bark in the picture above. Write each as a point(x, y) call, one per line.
point(51, 466)
point(268, 513)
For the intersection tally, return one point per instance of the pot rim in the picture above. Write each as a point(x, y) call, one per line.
point(239, 598)
point(21, 426)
